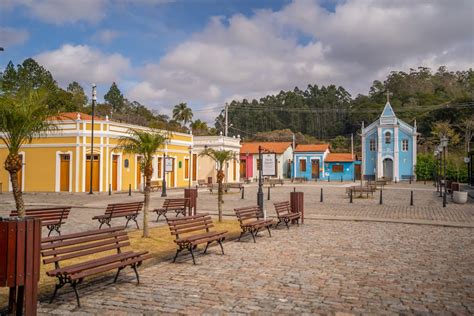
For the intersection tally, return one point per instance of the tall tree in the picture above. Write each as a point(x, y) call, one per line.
point(182, 113)
point(199, 128)
point(220, 157)
point(79, 97)
point(23, 116)
point(115, 98)
point(145, 144)
point(467, 126)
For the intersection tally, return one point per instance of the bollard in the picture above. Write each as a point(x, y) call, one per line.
point(380, 202)
point(350, 196)
point(341, 178)
point(321, 199)
point(329, 179)
point(243, 193)
point(410, 180)
point(110, 188)
point(444, 199)
point(294, 189)
point(411, 199)
point(129, 190)
point(268, 195)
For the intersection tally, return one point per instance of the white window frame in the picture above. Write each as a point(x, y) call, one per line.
point(405, 144)
point(372, 145)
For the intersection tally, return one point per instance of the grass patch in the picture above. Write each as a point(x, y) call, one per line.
point(160, 245)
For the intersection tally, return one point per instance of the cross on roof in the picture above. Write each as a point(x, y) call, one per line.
point(388, 95)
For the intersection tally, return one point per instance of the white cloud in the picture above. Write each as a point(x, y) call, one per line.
point(72, 11)
point(105, 36)
point(85, 64)
point(10, 36)
point(303, 43)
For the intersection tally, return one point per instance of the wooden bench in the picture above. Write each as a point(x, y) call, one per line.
point(51, 217)
point(177, 205)
point(299, 179)
point(250, 221)
point(284, 214)
point(274, 182)
point(128, 210)
point(361, 189)
point(192, 231)
point(202, 183)
point(234, 185)
point(92, 255)
point(155, 185)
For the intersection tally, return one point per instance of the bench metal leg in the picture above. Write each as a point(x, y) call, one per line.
point(241, 233)
point(177, 253)
point(74, 287)
point(253, 236)
point(192, 254)
point(207, 245)
point(220, 244)
point(116, 275)
point(286, 223)
point(134, 267)
point(268, 228)
point(56, 288)
point(279, 221)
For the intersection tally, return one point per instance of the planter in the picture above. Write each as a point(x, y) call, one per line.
point(459, 197)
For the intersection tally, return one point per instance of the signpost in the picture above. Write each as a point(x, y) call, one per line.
point(168, 164)
point(269, 164)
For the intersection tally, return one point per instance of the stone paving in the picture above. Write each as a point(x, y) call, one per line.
point(396, 204)
point(322, 267)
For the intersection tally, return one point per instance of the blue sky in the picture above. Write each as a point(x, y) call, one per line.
point(208, 52)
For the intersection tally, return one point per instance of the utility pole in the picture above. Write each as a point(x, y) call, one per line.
point(94, 98)
point(226, 120)
point(294, 161)
point(352, 144)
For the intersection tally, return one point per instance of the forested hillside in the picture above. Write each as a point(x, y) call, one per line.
point(328, 112)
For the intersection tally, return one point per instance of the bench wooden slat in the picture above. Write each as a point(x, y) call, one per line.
point(83, 246)
point(59, 244)
point(51, 217)
point(81, 234)
point(85, 252)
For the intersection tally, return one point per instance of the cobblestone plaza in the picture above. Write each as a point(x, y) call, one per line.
point(354, 258)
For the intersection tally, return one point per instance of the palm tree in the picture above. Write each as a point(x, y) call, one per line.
point(23, 116)
point(220, 157)
point(199, 128)
point(182, 113)
point(145, 144)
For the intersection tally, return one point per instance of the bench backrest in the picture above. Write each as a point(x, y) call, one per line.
point(247, 213)
point(175, 204)
point(65, 247)
point(190, 224)
point(47, 214)
point(282, 207)
point(117, 209)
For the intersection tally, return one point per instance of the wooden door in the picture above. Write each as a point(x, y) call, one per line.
point(139, 172)
point(243, 169)
point(64, 173)
point(172, 183)
point(114, 172)
point(357, 172)
point(315, 169)
point(194, 164)
point(95, 173)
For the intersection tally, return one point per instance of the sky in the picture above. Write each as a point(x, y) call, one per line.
point(209, 52)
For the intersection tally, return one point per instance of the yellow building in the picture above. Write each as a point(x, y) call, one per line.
point(60, 160)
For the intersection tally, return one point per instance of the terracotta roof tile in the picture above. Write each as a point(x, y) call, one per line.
point(339, 157)
point(276, 147)
point(73, 116)
point(312, 147)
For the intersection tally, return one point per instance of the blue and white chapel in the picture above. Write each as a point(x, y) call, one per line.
point(389, 147)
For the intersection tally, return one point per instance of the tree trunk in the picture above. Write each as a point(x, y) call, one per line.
point(148, 174)
point(17, 194)
point(220, 178)
point(13, 164)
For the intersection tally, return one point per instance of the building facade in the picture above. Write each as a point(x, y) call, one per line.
point(309, 161)
point(249, 158)
point(207, 168)
point(389, 147)
point(60, 160)
point(342, 166)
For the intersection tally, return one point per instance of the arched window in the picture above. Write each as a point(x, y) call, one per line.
point(388, 137)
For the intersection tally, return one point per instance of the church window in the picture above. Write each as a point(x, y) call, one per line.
point(405, 145)
point(372, 145)
point(388, 138)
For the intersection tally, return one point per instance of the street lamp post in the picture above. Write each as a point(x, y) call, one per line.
point(94, 99)
point(435, 173)
point(190, 148)
point(260, 180)
point(444, 144)
point(163, 187)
